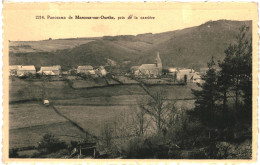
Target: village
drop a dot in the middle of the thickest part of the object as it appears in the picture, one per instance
(151, 74)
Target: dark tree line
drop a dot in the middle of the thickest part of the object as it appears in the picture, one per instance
(225, 101)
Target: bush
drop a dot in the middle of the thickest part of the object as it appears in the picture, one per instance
(139, 149)
(13, 153)
(50, 144)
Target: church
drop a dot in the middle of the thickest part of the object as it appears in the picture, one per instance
(149, 70)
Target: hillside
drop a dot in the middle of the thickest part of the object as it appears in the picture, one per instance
(46, 45)
(194, 46)
(190, 47)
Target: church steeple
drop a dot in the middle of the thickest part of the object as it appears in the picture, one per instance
(159, 63)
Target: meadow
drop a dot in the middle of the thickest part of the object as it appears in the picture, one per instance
(90, 108)
(45, 45)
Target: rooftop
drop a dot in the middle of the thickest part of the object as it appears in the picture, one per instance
(148, 66)
(50, 68)
(85, 67)
(28, 67)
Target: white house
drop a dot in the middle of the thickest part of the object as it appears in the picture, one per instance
(50, 70)
(196, 78)
(183, 74)
(100, 71)
(172, 71)
(85, 69)
(13, 69)
(25, 70)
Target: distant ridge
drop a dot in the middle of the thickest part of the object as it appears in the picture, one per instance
(189, 47)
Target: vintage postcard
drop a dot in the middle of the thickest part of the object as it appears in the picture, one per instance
(130, 82)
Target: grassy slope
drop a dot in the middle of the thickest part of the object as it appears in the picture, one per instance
(188, 47)
(46, 45)
(29, 122)
(194, 46)
(90, 108)
(93, 118)
(26, 90)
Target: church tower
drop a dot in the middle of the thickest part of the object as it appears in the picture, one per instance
(159, 63)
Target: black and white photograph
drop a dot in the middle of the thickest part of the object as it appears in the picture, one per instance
(144, 81)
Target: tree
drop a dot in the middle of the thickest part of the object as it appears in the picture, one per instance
(236, 70)
(50, 144)
(225, 78)
(162, 112)
(140, 120)
(158, 109)
(107, 133)
(207, 97)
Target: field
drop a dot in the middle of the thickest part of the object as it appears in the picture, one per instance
(89, 108)
(46, 45)
(28, 115)
(93, 118)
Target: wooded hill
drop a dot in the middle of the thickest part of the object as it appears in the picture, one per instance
(189, 47)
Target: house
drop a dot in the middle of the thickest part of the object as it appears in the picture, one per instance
(92, 72)
(84, 69)
(100, 71)
(25, 70)
(196, 78)
(172, 71)
(184, 74)
(46, 102)
(150, 70)
(65, 73)
(50, 70)
(13, 69)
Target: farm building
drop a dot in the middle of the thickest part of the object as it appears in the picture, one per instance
(87, 69)
(196, 78)
(50, 70)
(185, 74)
(101, 71)
(150, 70)
(171, 71)
(25, 70)
(65, 73)
(13, 69)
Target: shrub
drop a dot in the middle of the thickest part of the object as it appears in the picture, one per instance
(138, 148)
(50, 144)
(13, 153)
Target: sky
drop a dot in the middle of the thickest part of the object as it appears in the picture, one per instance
(20, 23)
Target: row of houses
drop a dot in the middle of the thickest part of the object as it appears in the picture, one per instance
(55, 70)
(156, 70)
